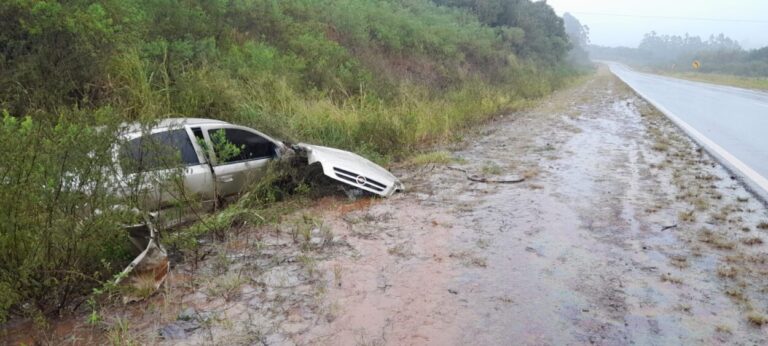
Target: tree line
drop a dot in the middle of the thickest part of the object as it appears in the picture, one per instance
(716, 54)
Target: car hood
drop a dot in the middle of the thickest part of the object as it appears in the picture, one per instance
(352, 169)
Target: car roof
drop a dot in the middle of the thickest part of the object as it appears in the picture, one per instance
(175, 122)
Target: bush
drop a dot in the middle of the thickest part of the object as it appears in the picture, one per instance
(59, 235)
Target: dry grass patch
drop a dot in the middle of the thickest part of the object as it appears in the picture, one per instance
(716, 240)
(751, 241)
(469, 259)
(227, 287)
(687, 216)
(707, 177)
(679, 261)
(401, 250)
(531, 172)
(721, 328)
(759, 83)
(729, 272)
(661, 144)
(701, 203)
(756, 318)
(492, 168)
(736, 294)
(686, 308)
(723, 214)
(671, 279)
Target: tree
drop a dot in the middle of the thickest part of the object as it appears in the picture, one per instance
(579, 38)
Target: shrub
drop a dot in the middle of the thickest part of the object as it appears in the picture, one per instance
(59, 235)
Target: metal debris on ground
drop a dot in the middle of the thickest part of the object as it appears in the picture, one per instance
(481, 179)
(147, 272)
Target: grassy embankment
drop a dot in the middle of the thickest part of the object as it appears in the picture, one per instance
(380, 77)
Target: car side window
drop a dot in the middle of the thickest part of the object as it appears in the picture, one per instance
(161, 150)
(251, 146)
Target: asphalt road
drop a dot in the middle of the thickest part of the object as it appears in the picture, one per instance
(731, 123)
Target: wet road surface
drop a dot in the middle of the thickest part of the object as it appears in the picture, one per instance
(733, 118)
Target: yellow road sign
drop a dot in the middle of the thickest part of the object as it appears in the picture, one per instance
(696, 64)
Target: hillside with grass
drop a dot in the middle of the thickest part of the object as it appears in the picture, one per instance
(326, 71)
(379, 77)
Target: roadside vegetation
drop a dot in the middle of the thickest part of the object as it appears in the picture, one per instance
(758, 83)
(379, 77)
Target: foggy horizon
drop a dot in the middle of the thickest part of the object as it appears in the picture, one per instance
(623, 23)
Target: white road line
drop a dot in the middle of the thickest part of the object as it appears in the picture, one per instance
(754, 181)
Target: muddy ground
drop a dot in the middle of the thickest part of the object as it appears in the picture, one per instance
(623, 232)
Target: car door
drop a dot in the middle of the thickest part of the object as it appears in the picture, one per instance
(234, 170)
(150, 162)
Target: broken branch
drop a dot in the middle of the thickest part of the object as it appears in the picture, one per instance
(668, 227)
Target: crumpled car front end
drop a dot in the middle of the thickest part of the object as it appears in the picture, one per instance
(351, 169)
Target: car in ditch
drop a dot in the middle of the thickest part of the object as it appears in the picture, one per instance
(209, 172)
(211, 160)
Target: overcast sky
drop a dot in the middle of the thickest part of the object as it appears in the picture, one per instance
(623, 22)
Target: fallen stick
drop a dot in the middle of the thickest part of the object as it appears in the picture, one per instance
(479, 179)
(668, 227)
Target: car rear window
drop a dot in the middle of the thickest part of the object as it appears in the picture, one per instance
(161, 150)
